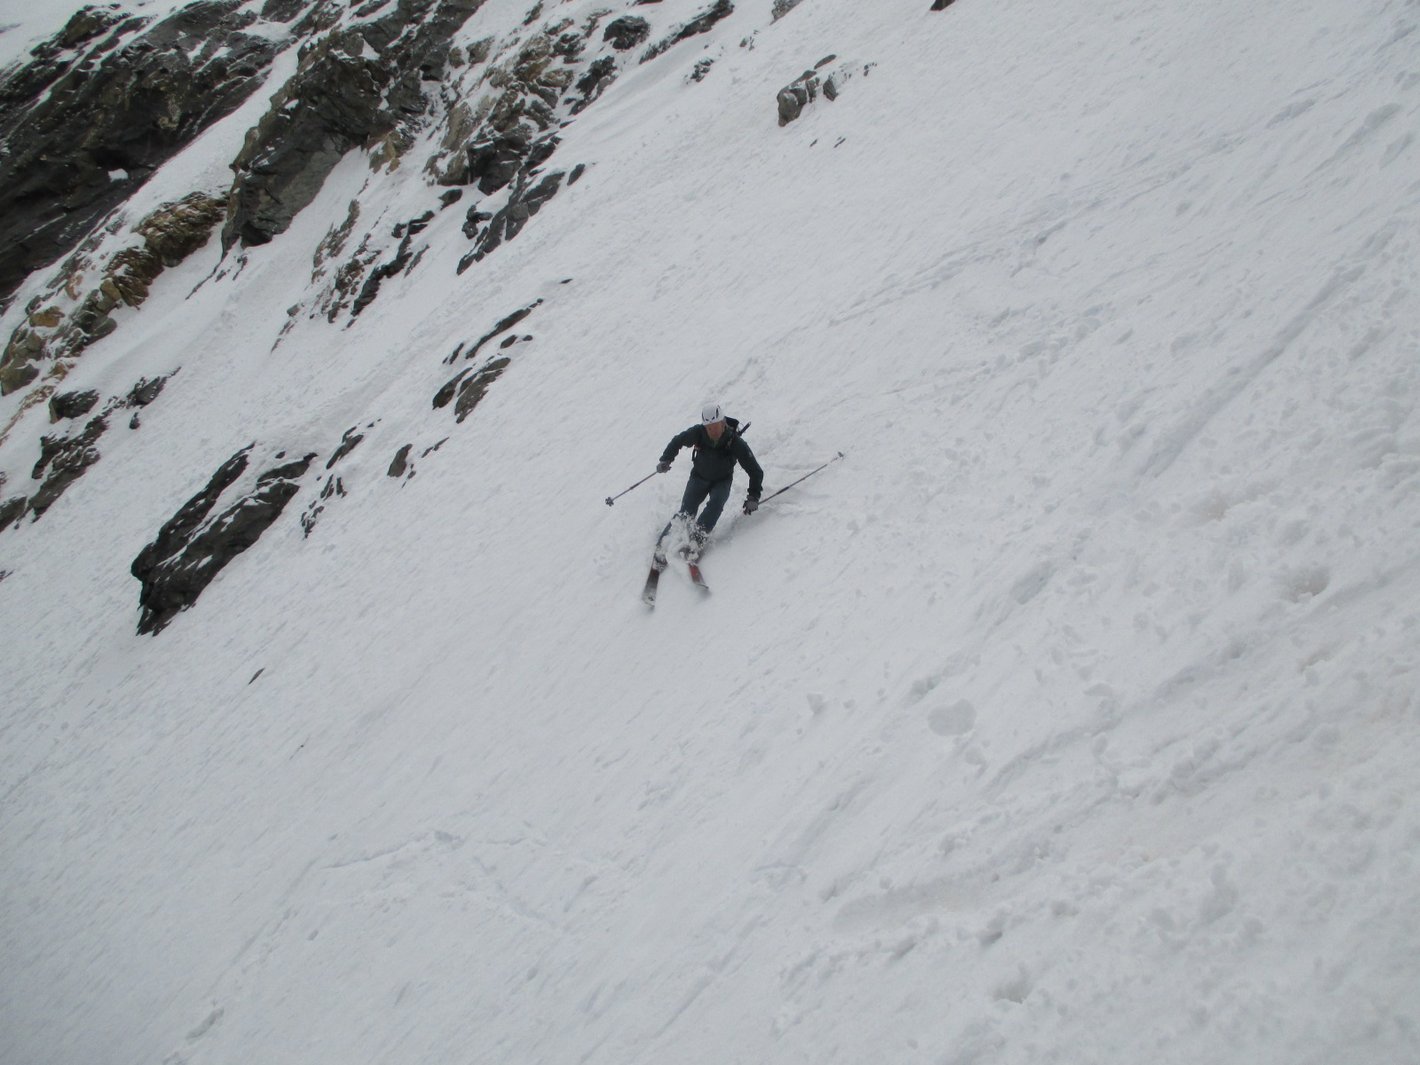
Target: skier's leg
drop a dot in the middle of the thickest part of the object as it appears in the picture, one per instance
(719, 492)
(695, 491)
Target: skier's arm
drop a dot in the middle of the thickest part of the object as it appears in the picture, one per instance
(751, 467)
(680, 440)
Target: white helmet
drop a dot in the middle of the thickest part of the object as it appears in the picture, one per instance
(710, 413)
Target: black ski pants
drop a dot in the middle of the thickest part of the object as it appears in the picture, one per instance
(697, 490)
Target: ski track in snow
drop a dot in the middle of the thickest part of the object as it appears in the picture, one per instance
(1070, 718)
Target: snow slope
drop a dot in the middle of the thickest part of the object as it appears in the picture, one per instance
(1070, 718)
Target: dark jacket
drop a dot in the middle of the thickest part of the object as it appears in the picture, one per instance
(716, 461)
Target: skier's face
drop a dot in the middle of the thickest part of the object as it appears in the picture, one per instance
(715, 428)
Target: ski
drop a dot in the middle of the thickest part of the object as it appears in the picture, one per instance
(696, 577)
(653, 580)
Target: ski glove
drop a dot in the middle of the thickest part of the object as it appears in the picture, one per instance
(663, 467)
(751, 505)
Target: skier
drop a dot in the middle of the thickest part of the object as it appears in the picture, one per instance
(717, 447)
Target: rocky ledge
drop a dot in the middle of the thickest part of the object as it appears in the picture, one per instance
(102, 105)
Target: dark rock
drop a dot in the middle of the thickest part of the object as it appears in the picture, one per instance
(282, 10)
(176, 230)
(472, 391)
(348, 443)
(804, 89)
(445, 395)
(782, 8)
(509, 222)
(71, 404)
(86, 24)
(793, 98)
(16, 365)
(92, 318)
(130, 274)
(83, 112)
(145, 391)
(22, 86)
(600, 74)
(12, 510)
(333, 243)
(468, 386)
(352, 88)
(170, 234)
(504, 325)
(627, 32)
(334, 103)
(334, 487)
(401, 461)
(702, 23)
(347, 283)
(570, 47)
(371, 288)
(193, 547)
(941, 5)
(493, 162)
(450, 198)
(473, 220)
(66, 459)
(540, 152)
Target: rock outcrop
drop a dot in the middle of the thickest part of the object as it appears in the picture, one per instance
(67, 318)
(809, 85)
(334, 486)
(63, 461)
(627, 32)
(355, 86)
(194, 546)
(105, 103)
(467, 388)
(64, 458)
(702, 23)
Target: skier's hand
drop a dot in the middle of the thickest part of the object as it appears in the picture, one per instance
(751, 505)
(662, 467)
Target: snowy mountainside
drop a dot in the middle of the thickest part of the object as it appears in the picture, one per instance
(1069, 718)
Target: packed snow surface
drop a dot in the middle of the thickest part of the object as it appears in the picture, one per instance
(1072, 717)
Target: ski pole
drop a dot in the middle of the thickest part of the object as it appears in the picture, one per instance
(805, 477)
(612, 499)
